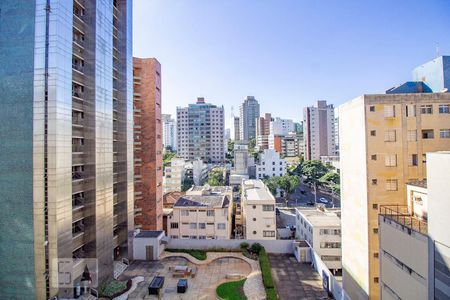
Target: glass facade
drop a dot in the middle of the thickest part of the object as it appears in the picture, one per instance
(17, 30)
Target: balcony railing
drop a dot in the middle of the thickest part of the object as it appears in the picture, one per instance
(400, 215)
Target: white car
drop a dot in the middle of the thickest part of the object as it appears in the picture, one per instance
(323, 200)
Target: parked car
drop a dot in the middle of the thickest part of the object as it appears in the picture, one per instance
(323, 200)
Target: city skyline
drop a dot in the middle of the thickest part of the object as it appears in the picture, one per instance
(247, 53)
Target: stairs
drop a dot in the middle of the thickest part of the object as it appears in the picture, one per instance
(119, 268)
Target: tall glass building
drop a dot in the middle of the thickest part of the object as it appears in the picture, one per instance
(66, 132)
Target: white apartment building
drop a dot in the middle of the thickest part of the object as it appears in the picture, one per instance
(281, 126)
(169, 132)
(319, 131)
(203, 213)
(322, 230)
(201, 132)
(270, 164)
(174, 175)
(258, 211)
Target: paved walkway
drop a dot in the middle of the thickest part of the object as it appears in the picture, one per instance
(253, 286)
(295, 280)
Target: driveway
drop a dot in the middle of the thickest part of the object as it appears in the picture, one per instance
(295, 280)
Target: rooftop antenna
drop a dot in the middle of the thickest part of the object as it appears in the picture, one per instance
(437, 50)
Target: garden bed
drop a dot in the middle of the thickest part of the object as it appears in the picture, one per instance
(231, 290)
(198, 254)
(114, 288)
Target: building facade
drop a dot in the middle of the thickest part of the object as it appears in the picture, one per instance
(394, 131)
(322, 230)
(169, 132)
(204, 212)
(235, 134)
(67, 142)
(174, 174)
(248, 113)
(201, 132)
(240, 170)
(281, 127)
(258, 211)
(148, 144)
(270, 165)
(291, 145)
(263, 131)
(319, 132)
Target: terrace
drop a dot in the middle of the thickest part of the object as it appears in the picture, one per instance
(401, 215)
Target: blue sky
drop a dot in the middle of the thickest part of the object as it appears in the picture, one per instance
(288, 53)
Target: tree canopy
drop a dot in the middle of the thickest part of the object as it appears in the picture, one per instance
(215, 177)
(313, 170)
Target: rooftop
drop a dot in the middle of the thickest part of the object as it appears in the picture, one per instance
(321, 218)
(419, 183)
(401, 215)
(256, 190)
(149, 233)
(210, 189)
(217, 201)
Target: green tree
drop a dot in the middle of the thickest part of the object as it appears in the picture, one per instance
(215, 177)
(288, 183)
(167, 157)
(313, 170)
(187, 184)
(330, 178)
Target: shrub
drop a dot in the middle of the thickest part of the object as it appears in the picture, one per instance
(256, 248)
(271, 294)
(231, 290)
(265, 269)
(113, 288)
(198, 254)
(244, 245)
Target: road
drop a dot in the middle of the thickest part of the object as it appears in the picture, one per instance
(299, 199)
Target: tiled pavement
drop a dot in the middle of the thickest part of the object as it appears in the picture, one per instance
(294, 280)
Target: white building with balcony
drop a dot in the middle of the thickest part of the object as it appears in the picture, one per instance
(322, 230)
(270, 164)
(258, 211)
(203, 213)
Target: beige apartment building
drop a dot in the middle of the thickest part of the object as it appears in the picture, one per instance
(258, 211)
(204, 212)
(383, 141)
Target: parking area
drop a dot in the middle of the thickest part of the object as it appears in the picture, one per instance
(295, 280)
(202, 286)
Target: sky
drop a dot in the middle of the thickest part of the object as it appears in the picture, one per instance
(286, 53)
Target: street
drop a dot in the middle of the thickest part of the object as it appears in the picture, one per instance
(299, 199)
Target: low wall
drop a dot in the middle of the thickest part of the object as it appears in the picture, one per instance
(271, 246)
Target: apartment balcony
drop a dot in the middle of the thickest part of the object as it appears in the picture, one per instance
(77, 158)
(77, 121)
(115, 199)
(115, 12)
(77, 131)
(115, 115)
(115, 53)
(116, 241)
(77, 104)
(78, 23)
(78, 213)
(78, 149)
(115, 93)
(78, 73)
(115, 178)
(400, 215)
(119, 218)
(115, 136)
(78, 240)
(115, 32)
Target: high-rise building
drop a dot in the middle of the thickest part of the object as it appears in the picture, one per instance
(414, 242)
(200, 132)
(234, 129)
(383, 141)
(148, 144)
(169, 132)
(248, 113)
(319, 132)
(67, 142)
(263, 131)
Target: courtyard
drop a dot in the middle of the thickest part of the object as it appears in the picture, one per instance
(209, 275)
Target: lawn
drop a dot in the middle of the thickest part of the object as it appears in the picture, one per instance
(112, 288)
(232, 290)
(198, 254)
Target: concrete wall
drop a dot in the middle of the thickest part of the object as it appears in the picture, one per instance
(274, 246)
(139, 244)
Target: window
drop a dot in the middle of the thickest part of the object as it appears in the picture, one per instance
(254, 206)
(428, 134)
(201, 225)
(185, 213)
(410, 110)
(193, 237)
(389, 136)
(202, 237)
(193, 225)
(268, 233)
(375, 206)
(330, 245)
(374, 181)
(373, 133)
(324, 231)
(389, 111)
(254, 219)
(373, 157)
(174, 236)
(268, 207)
(391, 185)
(444, 108)
(174, 225)
(390, 160)
(254, 232)
(221, 226)
(413, 160)
(210, 213)
(426, 109)
(376, 279)
(372, 108)
(375, 255)
(412, 135)
(375, 230)
(444, 133)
